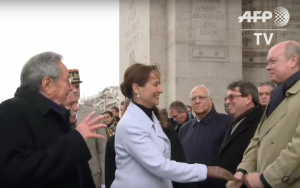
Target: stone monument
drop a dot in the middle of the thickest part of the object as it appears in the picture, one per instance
(200, 42)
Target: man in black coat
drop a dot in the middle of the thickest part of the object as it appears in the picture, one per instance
(243, 104)
(38, 147)
(202, 136)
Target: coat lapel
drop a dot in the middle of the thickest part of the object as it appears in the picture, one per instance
(275, 116)
(230, 137)
(146, 121)
(158, 129)
(245, 122)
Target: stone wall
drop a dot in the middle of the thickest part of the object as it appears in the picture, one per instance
(199, 42)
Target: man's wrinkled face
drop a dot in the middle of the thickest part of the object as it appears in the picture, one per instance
(179, 117)
(58, 90)
(71, 104)
(201, 101)
(76, 90)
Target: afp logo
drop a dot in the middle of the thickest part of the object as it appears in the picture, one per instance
(282, 16)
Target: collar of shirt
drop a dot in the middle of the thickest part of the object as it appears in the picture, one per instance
(206, 119)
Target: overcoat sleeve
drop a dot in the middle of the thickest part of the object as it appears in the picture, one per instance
(21, 165)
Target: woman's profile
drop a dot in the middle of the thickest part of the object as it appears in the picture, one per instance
(142, 148)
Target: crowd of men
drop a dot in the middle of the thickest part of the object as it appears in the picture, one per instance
(48, 140)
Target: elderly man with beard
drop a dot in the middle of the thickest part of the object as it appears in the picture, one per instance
(38, 147)
(202, 136)
(71, 104)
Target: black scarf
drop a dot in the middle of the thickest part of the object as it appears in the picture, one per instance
(278, 94)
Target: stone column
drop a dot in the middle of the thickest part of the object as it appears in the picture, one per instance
(203, 47)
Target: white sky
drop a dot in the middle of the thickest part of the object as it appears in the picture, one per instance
(86, 33)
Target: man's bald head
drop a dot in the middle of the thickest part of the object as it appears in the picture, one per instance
(283, 61)
(200, 88)
(201, 100)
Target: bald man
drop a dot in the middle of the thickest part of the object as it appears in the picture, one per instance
(202, 136)
(272, 158)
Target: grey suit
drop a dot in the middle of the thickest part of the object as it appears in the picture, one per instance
(143, 154)
(96, 146)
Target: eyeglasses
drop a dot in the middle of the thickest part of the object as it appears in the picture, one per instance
(231, 97)
(200, 97)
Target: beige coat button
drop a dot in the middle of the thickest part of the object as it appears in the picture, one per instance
(285, 179)
(272, 141)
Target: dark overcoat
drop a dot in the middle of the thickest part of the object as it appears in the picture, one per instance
(38, 147)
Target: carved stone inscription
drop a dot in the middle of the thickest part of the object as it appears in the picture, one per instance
(293, 27)
(210, 20)
(133, 27)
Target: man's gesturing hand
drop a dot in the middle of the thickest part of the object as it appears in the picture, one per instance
(87, 127)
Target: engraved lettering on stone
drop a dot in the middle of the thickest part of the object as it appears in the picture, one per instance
(131, 3)
(210, 18)
(133, 28)
(131, 16)
(133, 42)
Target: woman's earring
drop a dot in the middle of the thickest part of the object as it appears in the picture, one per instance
(138, 96)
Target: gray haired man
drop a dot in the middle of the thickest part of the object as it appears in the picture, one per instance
(38, 147)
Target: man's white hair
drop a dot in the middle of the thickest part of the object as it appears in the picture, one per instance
(202, 86)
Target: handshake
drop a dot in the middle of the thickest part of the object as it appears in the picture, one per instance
(237, 182)
(251, 180)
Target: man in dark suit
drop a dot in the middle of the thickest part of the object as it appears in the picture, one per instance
(202, 136)
(38, 147)
(243, 104)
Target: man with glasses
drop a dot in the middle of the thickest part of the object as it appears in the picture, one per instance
(202, 136)
(273, 155)
(243, 104)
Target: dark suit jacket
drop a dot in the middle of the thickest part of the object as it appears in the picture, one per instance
(38, 147)
(234, 145)
(177, 154)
